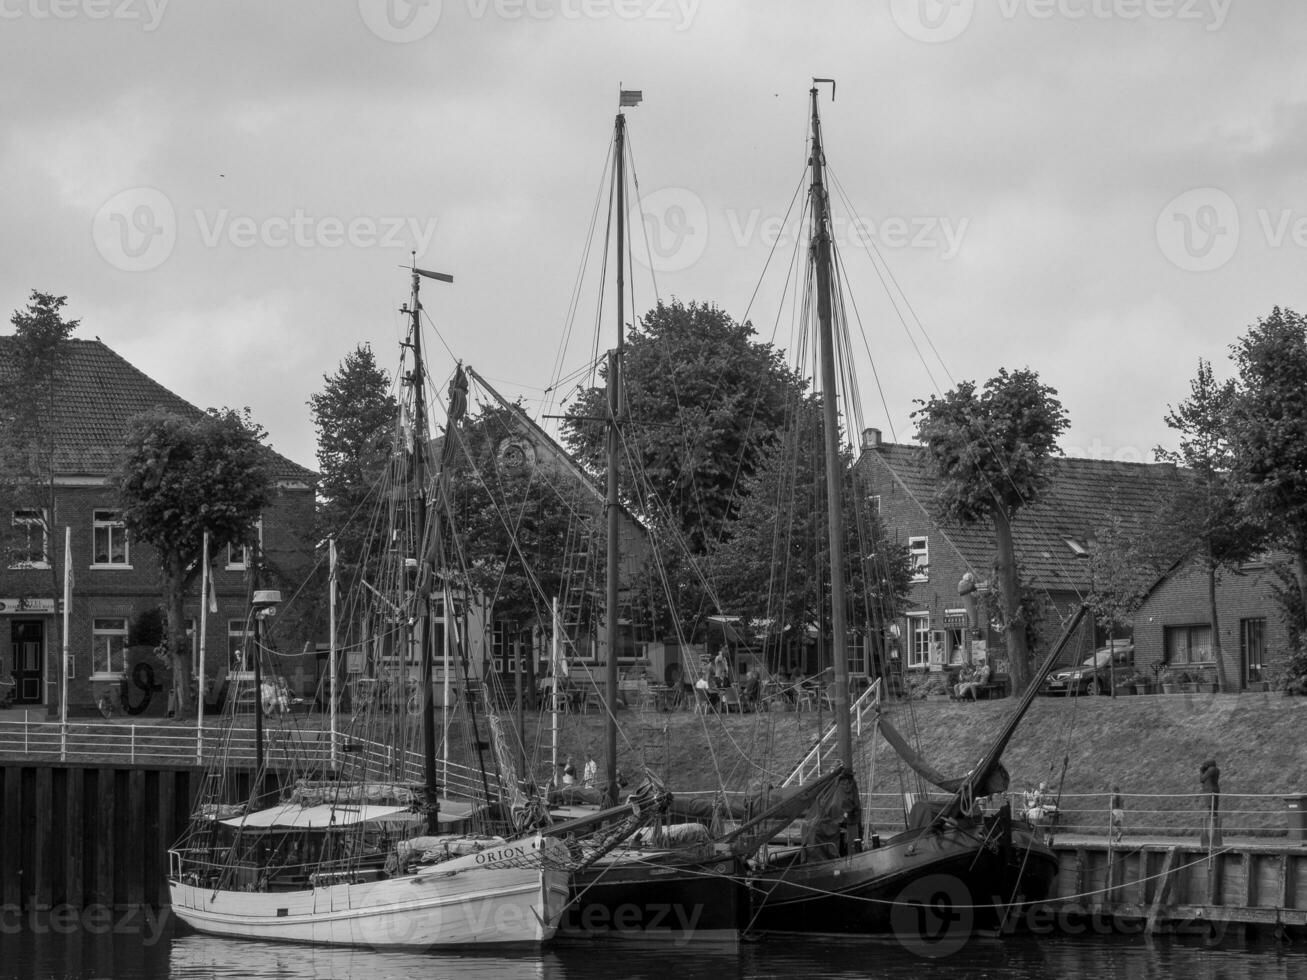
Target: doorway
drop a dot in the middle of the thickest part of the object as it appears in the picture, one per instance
(28, 646)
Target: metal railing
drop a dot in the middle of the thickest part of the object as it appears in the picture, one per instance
(115, 743)
(811, 764)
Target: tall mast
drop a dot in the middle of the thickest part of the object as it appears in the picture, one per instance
(424, 583)
(821, 256)
(614, 403)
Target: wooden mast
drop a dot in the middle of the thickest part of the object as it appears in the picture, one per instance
(612, 506)
(821, 257)
(425, 579)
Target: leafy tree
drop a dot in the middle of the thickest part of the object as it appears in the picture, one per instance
(989, 451)
(1205, 518)
(182, 477)
(354, 415)
(703, 400)
(29, 412)
(774, 562)
(1268, 431)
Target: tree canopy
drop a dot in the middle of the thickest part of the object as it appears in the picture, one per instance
(989, 451)
(1268, 431)
(702, 403)
(179, 479)
(1206, 518)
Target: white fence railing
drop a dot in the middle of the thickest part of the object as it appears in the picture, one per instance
(811, 764)
(185, 745)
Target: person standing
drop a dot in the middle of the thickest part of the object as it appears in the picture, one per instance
(721, 669)
(1117, 806)
(590, 772)
(1209, 776)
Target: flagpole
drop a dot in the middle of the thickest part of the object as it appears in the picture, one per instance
(63, 673)
(331, 602)
(204, 630)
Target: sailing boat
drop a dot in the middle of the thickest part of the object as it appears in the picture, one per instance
(677, 884)
(951, 861)
(368, 853)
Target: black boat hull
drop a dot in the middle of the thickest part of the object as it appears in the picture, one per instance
(681, 902)
(918, 885)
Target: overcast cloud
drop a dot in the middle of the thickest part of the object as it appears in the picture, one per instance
(1101, 190)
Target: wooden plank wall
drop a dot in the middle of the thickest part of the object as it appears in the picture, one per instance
(80, 836)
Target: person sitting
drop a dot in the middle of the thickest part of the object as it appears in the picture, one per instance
(750, 689)
(972, 683)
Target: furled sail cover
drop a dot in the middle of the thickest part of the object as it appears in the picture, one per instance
(994, 781)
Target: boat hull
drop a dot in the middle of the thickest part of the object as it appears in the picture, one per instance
(675, 901)
(916, 884)
(462, 908)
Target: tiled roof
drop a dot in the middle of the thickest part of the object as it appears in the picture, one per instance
(1083, 496)
(98, 393)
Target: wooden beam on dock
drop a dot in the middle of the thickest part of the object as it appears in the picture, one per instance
(1163, 890)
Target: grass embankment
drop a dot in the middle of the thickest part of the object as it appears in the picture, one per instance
(1152, 746)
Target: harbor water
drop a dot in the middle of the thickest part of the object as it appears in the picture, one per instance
(147, 949)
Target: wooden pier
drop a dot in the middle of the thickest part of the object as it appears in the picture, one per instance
(1161, 885)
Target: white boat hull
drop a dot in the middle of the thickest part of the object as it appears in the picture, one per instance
(437, 907)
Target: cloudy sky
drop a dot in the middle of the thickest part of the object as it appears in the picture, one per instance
(1102, 190)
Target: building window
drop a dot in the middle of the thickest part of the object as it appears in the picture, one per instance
(109, 646)
(874, 501)
(501, 645)
(28, 544)
(918, 640)
(239, 556)
(238, 640)
(955, 636)
(109, 539)
(439, 621)
(919, 556)
(857, 651)
(1252, 647)
(1188, 644)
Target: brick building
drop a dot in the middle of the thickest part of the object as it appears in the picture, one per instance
(1052, 540)
(116, 579)
(1173, 627)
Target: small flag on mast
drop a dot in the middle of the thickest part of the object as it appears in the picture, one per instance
(630, 97)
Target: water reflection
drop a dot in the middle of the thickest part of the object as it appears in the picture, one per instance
(195, 957)
(82, 955)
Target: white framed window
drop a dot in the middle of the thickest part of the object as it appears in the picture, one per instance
(857, 650)
(109, 540)
(918, 639)
(955, 635)
(919, 556)
(239, 556)
(108, 645)
(29, 542)
(873, 500)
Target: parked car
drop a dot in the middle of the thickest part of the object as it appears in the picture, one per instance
(1094, 676)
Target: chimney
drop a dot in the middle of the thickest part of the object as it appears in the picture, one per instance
(870, 439)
